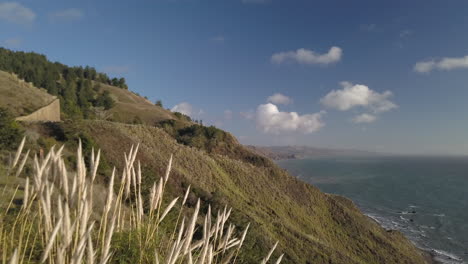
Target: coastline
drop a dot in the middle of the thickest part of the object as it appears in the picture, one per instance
(428, 255)
(430, 246)
(431, 255)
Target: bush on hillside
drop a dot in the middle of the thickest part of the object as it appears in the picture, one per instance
(200, 136)
(183, 117)
(159, 103)
(196, 135)
(10, 131)
(105, 100)
(210, 139)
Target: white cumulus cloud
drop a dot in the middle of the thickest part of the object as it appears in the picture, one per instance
(184, 108)
(271, 120)
(305, 56)
(353, 95)
(14, 12)
(364, 118)
(66, 15)
(425, 66)
(278, 98)
(445, 64)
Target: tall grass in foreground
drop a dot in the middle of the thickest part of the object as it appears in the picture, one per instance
(57, 220)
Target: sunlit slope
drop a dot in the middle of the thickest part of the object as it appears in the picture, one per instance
(132, 108)
(19, 97)
(312, 227)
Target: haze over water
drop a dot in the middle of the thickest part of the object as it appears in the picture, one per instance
(424, 197)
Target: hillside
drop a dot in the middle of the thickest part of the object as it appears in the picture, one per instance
(19, 97)
(130, 108)
(312, 227)
(22, 98)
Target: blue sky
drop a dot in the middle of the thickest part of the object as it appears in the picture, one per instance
(376, 75)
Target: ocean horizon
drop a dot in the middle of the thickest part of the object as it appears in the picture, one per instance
(424, 197)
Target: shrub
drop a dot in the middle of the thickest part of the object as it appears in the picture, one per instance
(105, 100)
(183, 117)
(10, 131)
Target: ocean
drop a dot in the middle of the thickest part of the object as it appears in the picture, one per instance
(426, 198)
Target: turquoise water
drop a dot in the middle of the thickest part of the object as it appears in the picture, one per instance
(424, 197)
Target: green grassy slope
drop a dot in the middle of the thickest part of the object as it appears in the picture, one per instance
(130, 106)
(312, 227)
(19, 97)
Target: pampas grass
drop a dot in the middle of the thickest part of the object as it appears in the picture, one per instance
(55, 223)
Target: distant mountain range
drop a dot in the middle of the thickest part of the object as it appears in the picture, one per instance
(301, 152)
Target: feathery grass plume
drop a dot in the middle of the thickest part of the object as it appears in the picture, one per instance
(168, 171)
(26, 194)
(221, 223)
(191, 228)
(206, 237)
(51, 241)
(18, 153)
(23, 162)
(153, 197)
(265, 260)
(190, 259)
(159, 192)
(186, 195)
(156, 258)
(244, 234)
(94, 166)
(110, 193)
(168, 209)
(210, 254)
(278, 261)
(241, 242)
(14, 258)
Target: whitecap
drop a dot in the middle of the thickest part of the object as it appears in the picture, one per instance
(404, 219)
(446, 257)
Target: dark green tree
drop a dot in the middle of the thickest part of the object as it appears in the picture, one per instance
(115, 82)
(122, 83)
(105, 100)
